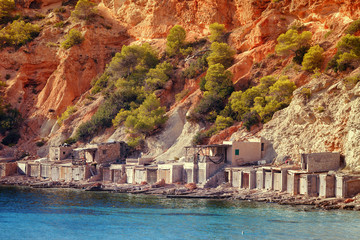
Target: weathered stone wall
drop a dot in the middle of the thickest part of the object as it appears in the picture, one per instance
(8, 169)
(320, 162)
(108, 152)
(60, 153)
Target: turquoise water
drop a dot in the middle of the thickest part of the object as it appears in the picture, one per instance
(74, 214)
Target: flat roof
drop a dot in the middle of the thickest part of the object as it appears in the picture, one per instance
(85, 148)
(211, 145)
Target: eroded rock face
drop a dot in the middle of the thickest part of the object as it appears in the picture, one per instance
(45, 80)
(326, 122)
(76, 69)
(177, 133)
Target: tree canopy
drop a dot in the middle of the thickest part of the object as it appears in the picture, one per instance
(6, 7)
(348, 53)
(218, 80)
(217, 32)
(84, 10)
(74, 37)
(18, 33)
(175, 40)
(313, 58)
(221, 53)
(265, 99)
(291, 41)
(133, 60)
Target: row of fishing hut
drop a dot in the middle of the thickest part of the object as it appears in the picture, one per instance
(316, 177)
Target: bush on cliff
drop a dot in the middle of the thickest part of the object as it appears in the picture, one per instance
(175, 40)
(218, 80)
(158, 76)
(353, 27)
(218, 87)
(347, 55)
(269, 96)
(221, 53)
(313, 58)
(102, 118)
(127, 85)
(291, 41)
(84, 10)
(6, 7)
(18, 33)
(74, 37)
(65, 115)
(146, 119)
(217, 32)
(133, 62)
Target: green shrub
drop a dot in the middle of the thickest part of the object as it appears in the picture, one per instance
(147, 118)
(84, 10)
(222, 123)
(218, 80)
(10, 118)
(135, 142)
(100, 83)
(265, 99)
(186, 51)
(158, 76)
(85, 131)
(18, 33)
(217, 86)
(353, 27)
(217, 32)
(65, 115)
(209, 102)
(60, 24)
(291, 41)
(202, 84)
(123, 85)
(198, 139)
(74, 37)
(306, 93)
(282, 90)
(133, 62)
(6, 7)
(313, 58)
(221, 53)
(350, 82)
(103, 117)
(347, 55)
(201, 136)
(320, 109)
(175, 40)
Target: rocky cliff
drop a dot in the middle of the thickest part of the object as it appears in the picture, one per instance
(45, 79)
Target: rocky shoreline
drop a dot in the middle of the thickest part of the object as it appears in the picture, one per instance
(191, 191)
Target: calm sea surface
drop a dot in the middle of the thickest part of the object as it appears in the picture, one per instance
(74, 214)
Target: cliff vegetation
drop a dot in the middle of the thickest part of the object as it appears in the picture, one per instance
(160, 76)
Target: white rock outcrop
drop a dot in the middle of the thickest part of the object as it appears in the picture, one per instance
(327, 121)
